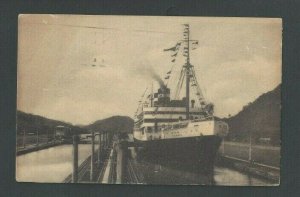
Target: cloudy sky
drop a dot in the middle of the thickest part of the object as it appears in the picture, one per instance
(237, 60)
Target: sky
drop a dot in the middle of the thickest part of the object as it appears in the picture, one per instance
(236, 61)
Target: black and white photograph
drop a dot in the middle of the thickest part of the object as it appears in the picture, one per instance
(152, 100)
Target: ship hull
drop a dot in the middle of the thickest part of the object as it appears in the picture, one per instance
(194, 154)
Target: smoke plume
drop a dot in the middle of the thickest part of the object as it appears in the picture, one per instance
(148, 71)
(156, 77)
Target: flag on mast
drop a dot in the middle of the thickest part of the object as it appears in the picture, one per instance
(170, 49)
(174, 55)
(176, 47)
(195, 44)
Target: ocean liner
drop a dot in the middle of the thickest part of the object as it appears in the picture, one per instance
(181, 130)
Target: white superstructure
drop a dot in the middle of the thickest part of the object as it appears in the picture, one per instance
(159, 117)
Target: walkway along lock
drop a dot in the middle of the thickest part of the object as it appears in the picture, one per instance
(115, 169)
(121, 149)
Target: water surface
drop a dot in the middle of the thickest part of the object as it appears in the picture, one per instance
(49, 165)
(231, 177)
(163, 173)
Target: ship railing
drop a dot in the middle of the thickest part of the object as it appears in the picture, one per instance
(202, 119)
(175, 126)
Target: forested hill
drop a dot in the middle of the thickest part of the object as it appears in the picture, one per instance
(118, 124)
(33, 123)
(261, 118)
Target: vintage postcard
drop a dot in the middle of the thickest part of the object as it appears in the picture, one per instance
(149, 100)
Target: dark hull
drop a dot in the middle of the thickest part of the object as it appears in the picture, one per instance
(193, 154)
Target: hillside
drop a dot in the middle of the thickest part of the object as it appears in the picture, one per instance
(32, 123)
(117, 124)
(261, 118)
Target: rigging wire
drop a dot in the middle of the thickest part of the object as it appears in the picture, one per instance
(178, 88)
(141, 101)
(180, 84)
(201, 96)
(184, 75)
(101, 28)
(171, 70)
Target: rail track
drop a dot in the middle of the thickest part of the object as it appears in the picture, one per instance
(82, 171)
(85, 167)
(133, 174)
(104, 166)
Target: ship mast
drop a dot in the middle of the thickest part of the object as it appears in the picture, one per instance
(187, 70)
(188, 73)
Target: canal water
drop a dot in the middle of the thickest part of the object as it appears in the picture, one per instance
(230, 177)
(55, 164)
(49, 165)
(163, 173)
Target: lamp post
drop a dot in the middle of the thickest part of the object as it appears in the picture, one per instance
(54, 136)
(105, 139)
(93, 135)
(92, 156)
(37, 137)
(47, 136)
(250, 147)
(223, 145)
(75, 159)
(250, 135)
(24, 138)
(99, 148)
